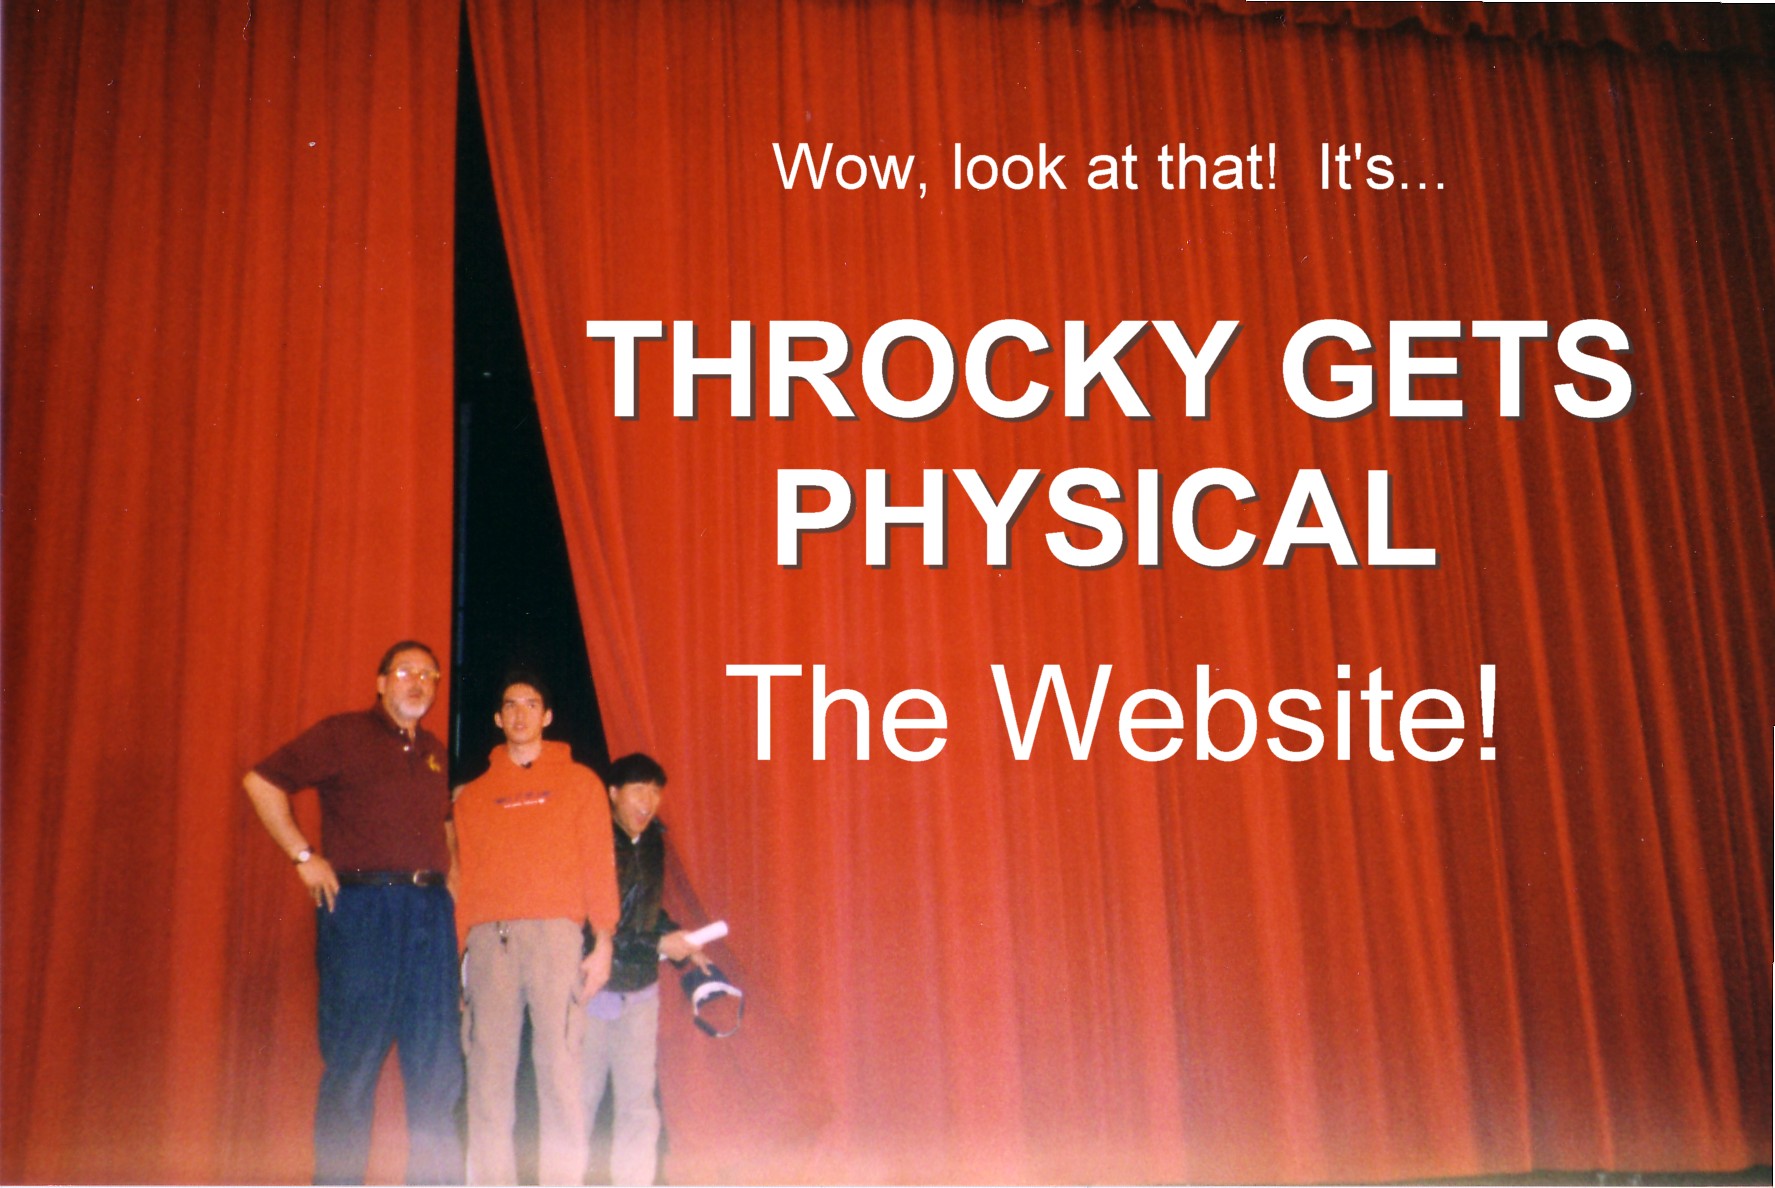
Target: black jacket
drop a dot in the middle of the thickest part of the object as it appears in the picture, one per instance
(640, 880)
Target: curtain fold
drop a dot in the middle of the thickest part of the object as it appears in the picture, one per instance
(227, 489)
(1685, 28)
(979, 968)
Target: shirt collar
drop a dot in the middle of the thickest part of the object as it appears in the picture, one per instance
(381, 714)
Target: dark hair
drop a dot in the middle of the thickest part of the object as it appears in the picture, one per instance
(525, 676)
(635, 769)
(405, 645)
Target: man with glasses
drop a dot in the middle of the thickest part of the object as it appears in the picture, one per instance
(385, 940)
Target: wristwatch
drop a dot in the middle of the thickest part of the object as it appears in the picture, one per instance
(303, 856)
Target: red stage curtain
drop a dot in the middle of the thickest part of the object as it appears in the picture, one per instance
(228, 418)
(1688, 28)
(1103, 970)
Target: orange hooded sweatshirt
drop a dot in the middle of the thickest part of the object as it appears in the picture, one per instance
(535, 844)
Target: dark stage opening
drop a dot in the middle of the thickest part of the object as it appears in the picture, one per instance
(513, 587)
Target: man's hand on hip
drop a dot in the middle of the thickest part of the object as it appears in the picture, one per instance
(320, 879)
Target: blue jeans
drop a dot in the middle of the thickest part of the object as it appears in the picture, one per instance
(387, 960)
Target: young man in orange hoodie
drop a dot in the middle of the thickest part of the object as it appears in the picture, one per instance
(535, 865)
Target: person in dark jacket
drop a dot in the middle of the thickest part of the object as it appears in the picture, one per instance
(622, 1027)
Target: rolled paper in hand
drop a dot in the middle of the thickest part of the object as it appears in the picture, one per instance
(707, 933)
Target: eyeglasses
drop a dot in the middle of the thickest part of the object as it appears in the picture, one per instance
(425, 676)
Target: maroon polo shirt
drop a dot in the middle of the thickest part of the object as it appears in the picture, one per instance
(383, 797)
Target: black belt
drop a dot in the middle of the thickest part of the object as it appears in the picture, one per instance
(390, 878)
